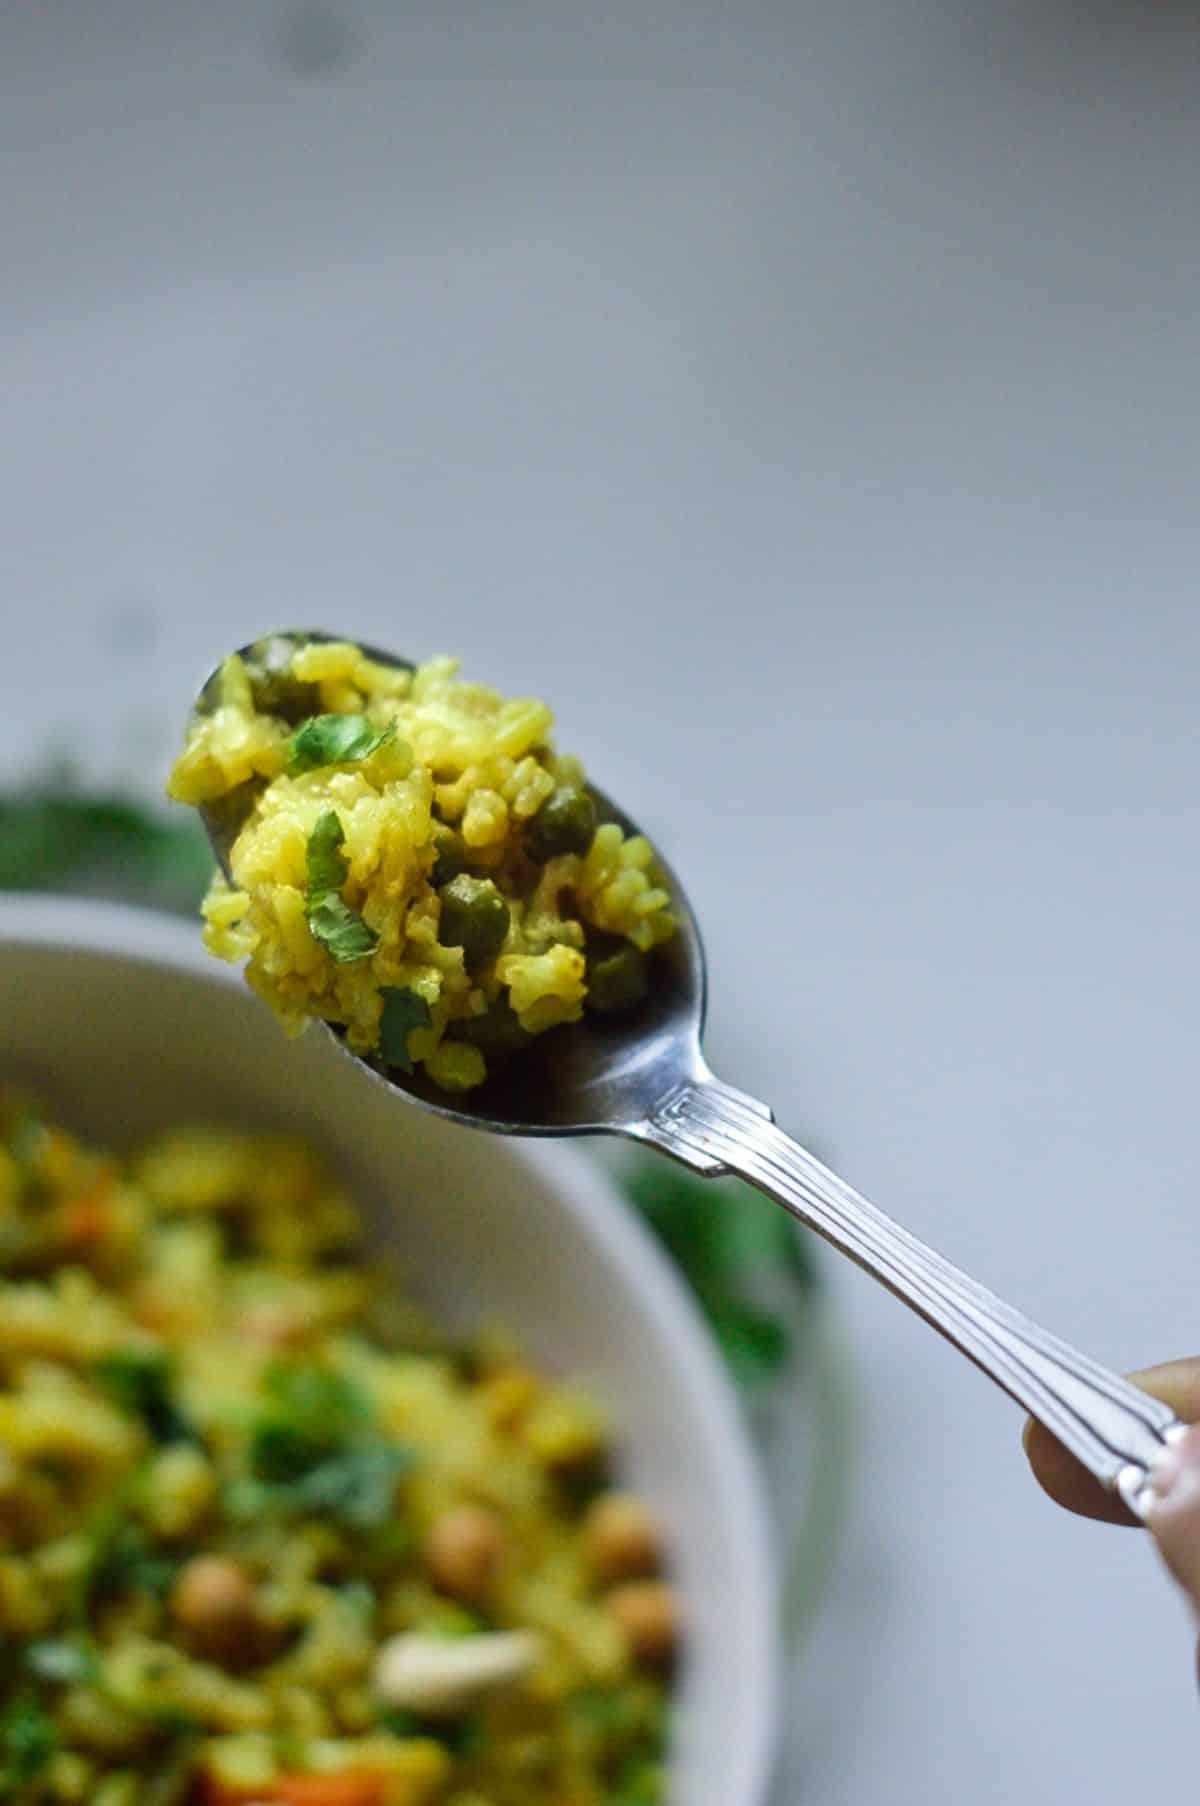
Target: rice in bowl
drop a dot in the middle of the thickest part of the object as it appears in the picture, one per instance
(264, 1535)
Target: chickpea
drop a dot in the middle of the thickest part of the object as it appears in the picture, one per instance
(214, 1606)
(463, 1550)
(621, 1538)
(648, 1614)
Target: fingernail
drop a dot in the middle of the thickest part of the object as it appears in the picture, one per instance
(1175, 1477)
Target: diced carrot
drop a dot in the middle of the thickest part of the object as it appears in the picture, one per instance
(349, 1787)
(86, 1221)
(353, 1787)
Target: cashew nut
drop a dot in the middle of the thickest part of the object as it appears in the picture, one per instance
(441, 1677)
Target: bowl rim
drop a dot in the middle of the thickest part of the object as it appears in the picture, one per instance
(151, 937)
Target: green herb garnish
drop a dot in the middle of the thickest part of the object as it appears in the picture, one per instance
(324, 1404)
(124, 1560)
(61, 1662)
(738, 1251)
(140, 1382)
(639, 1783)
(325, 868)
(340, 929)
(28, 1739)
(357, 1487)
(403, 1010)
(610, 1715)
(335, 740)
(314, 1452)
(464, 1740)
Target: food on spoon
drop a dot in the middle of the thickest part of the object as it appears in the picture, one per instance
(342, 1568)
(416, 864)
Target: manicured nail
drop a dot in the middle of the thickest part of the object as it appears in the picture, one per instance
(1175, 1477)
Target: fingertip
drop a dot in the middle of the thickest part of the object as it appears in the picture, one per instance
(1173, 1510)
(1066, 1481)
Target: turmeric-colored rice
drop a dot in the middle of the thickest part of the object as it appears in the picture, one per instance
(239, 1477)
(470, 901)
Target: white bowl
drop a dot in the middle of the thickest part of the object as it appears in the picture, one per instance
(128, 1023)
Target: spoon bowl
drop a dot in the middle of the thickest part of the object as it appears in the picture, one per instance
(642, 1075)
(602, 1075)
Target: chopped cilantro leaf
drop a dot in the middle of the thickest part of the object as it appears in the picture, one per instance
(613, 1715)
(334, 740)
(313, 1452)
(140, 1382)
(357, 1486)
(326, 869)
(125, 1561)
(465, 1740)
(639, 1783)
(281, 1453)
(28, 1739)
(403, 1010)
(318, 1399)
(61, 1662)
(340, 929)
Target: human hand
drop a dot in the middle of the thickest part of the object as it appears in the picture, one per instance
(1174, 1519)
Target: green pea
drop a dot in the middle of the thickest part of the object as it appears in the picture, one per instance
(451, 858)
(474, 917)
(497, 1031)
(565, 823)
(616, 979)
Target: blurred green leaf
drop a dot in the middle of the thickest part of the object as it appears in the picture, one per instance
(63, 839)
(28, 1739)
(755, 1344)
(749, 1265)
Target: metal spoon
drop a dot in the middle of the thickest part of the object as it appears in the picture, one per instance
(644, 1076)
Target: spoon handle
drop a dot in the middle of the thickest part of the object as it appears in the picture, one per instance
(1115, 1430)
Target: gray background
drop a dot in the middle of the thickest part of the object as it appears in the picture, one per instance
(806, 397)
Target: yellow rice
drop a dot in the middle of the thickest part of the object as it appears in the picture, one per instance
(462, 763)
(225, 1264)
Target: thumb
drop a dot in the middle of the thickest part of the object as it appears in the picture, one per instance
(1173, 1517)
